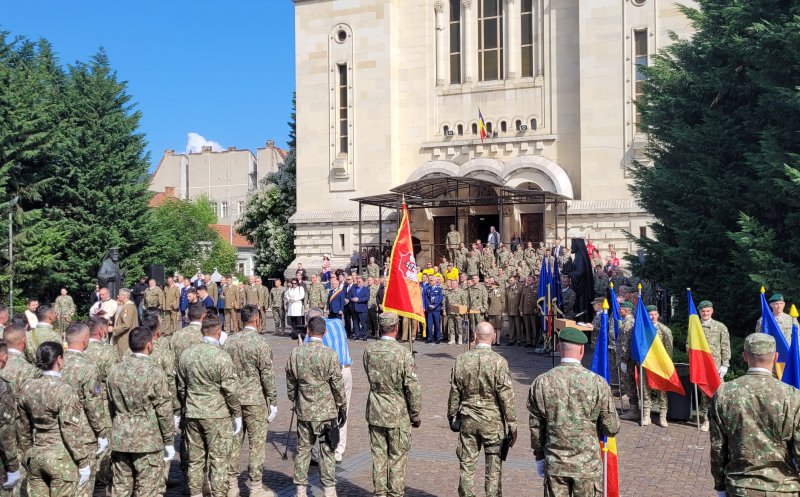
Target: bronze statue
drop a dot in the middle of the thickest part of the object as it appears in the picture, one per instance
(109, 276)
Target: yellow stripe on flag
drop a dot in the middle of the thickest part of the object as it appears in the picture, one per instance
(697, 339)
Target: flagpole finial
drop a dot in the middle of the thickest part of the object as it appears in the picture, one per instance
(640, 288)
(605, 304)
(763, 290)
(793, 312)
(688, 289)
(611, 284)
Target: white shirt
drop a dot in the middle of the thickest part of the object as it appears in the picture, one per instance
(54, 374)
(570, 360)
(294, 301)
(759, 370)
(110, 306)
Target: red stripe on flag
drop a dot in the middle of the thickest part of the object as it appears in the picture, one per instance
(703, 371)
(671, 384)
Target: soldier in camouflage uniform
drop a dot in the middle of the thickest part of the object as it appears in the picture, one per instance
(471, 264)
(754, 430)
(314, 386)
(393, 406)
(372, 307)
(142, 420)
(601, 282)
(316, 293)
(527, 308)
(278, 311)
(495, 306)
(627, 367)
(482, 397)
(43, 332)
(567, 298)
(785, 321)
(65, 310)
(373, 271)
(163, 357)
(618, 278)
(252, 360)
(208, 390)
(477, 296)
(569, 408)
(52, 430)
(10, 473)
(460, 259)
(153, 296)
(453, 242)
(454, 296)
(81, 374)
(661, 397)
(719, 341)
(503, 256)
(513, 296)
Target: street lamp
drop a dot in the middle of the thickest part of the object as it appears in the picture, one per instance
(11, 256)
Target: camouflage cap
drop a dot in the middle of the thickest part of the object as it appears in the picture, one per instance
(598, 301)
(776, 297)
(572, 335)
(759, 344)
(626, 305)
(389, 319)
(704, 304)
(651, 308)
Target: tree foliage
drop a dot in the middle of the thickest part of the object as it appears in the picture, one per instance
(265, 222)
(722, 112)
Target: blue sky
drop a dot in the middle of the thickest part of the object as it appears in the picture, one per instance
(224, 70)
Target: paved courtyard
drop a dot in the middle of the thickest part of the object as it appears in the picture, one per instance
(654, 462)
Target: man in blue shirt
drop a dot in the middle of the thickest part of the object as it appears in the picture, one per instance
(433, 305)
(336, 338)
(205, 298)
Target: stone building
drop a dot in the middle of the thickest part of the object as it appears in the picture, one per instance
(390, 91)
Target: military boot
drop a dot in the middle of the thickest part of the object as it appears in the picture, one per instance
(258, 490)
(301, 491)
(662, 420)
(329, 492)
(233, 487)
(633, 414)
(704, 426)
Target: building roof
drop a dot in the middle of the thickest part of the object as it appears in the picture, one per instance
(224, 232)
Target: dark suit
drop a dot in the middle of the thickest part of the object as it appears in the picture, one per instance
(347, 314)
(360, 310)
(336, 302)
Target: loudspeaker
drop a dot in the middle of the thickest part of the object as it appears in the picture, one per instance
(156, 271)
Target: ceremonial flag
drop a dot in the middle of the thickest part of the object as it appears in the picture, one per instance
(614, 310)
(556, 293)
(403, 294)
(648, 351)
(608, 445)
(702, 369)
(770, 326)
(481, 125)
(543, 293)
(791, 371)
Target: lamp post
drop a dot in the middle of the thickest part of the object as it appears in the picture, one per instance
(11, 256)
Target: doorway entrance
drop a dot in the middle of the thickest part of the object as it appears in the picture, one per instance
(532, 228)
(478, 227)
(441, 226)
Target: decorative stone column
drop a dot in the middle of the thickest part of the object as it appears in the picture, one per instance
(441, 44)
(469, 49)
(512, 39)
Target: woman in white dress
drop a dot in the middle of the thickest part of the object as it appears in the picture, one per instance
(294, 296)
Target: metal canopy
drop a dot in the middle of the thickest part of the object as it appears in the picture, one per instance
(452, 191)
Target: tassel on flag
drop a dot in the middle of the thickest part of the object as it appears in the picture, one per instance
(608, 445)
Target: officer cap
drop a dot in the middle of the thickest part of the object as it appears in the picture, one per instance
(651, 308)
(626, 305)
(704, 304)
(776, 297)
(389, 319)
(598, 301)
(759, 344)
(572, 335)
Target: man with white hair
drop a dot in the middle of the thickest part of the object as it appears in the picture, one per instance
(125, 320)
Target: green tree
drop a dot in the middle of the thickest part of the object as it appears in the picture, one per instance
(722, 114)
(265, 222)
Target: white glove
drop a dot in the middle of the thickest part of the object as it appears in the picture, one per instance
(12, 480)
(85, 472)
(721, 493)
(177, 420)
(540, 468)
(722, 371)
(237, 425)
(623, 367)
(273, 411)
(169, 453)
(102, 445)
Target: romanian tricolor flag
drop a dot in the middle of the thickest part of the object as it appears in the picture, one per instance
(648, 351)
(702, 369)
(770, 326)
(481, 125)
(791, 371)
(608, 445)
(403, 294)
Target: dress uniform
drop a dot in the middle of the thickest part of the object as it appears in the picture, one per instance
(231, 296)
(433, 307)
(516, 329)
(495, 307)
(527, 307)
(172, 300)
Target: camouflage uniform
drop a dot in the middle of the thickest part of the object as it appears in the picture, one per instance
(785, 323)
(460, 262)
(455, 296)
(153, 297)
(394, 399)
(141, 413)
(453, 241)
(314, 386)
(482, 395)
(43, 332)
(568, 302)
(317, 295)
(372, 306)
(569, 407)
(628, 383)
(103, 356)
(477, 297)
(252, 360)
(65, 311)
(661, 397)
(9, 455)
(719, 341)
(503, 257)
(278, 311)
(600, 284)
(183, 339)
(209, 393)
(163, 358)
(471, 265)
(373, 270)
(51, 409)
(81, 374)
(755, 436)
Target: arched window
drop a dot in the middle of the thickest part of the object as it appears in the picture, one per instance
(445, 129)
(489, 127)
(460, 129)
(518, 125)
(503, 127)
(474, 128)
(533, 124)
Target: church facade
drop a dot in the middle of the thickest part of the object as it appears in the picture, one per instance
(393, 91)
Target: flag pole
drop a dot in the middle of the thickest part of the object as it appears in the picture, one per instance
(697, 405)
(605, 468)
(641, 376)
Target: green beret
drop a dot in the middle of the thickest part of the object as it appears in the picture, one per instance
(389, 319)
(704, 304)
(651, 308)
(776, 297)
(759, 344)
(626, 305)
(572, 335)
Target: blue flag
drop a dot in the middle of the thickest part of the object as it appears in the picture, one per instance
(791, 371)
(600, 359)
(555, 293)
(770, 327)
(615, 312)
(542, 293)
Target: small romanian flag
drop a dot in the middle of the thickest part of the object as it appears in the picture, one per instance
(481, 125)
(702, 369)
(648, 351)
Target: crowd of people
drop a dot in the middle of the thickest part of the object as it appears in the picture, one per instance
(102, 402)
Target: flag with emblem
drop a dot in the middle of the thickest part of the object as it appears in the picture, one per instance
(403, 294)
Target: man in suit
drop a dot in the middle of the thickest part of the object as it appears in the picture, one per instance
(335, 300)
(493, 240)
(349, 288)
(556, 250)
(359, 301)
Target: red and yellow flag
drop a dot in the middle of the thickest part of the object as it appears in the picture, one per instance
(403, 294)
(702, 370)
(611, 482)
